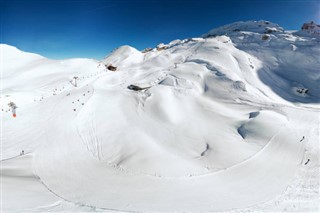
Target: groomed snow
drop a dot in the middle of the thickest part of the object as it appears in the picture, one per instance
(226, 122)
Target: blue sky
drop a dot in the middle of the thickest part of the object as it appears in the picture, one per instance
(60, 29)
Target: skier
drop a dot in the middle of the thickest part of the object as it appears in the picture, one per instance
(13, 107)
(22, 152)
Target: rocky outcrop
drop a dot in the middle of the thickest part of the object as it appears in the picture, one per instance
(111, 67)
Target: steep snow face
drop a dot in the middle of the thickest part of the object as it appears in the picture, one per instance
(202, 124)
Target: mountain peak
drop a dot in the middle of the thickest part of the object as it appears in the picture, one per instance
(311, 28)
(123, 53)
(246, 26)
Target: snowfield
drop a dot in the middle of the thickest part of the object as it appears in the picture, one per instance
(225, 122)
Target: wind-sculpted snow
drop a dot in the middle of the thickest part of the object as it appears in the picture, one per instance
(204, 124)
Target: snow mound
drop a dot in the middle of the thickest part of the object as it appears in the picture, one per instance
(124, 55)
(247, 26)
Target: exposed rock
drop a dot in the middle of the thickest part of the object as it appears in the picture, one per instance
(271, 30)
(162, 47)
(148, 49)
(311, 28)
(265, 37)
(111, 68)
(136, 88)
(302, 90)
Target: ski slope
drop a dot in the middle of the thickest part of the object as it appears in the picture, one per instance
(223, 122)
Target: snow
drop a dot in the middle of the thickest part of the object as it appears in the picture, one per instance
(225, 122)
(124, 56)
(247, 26)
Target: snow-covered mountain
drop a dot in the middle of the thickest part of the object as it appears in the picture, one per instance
(229, 120)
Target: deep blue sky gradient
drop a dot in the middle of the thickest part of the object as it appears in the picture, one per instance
(60, 29)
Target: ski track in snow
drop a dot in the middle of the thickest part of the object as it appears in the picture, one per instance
(262, 150)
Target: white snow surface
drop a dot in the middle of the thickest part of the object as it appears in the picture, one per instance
(227, 122)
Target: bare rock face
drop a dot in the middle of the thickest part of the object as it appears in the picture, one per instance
(311, 28)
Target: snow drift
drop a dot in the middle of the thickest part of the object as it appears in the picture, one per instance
(219, 122)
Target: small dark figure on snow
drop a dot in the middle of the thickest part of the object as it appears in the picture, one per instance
(302, 139)
(22, 152)
(307, 162)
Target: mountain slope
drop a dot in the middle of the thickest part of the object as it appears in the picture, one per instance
(290, 62)
(214, 123)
